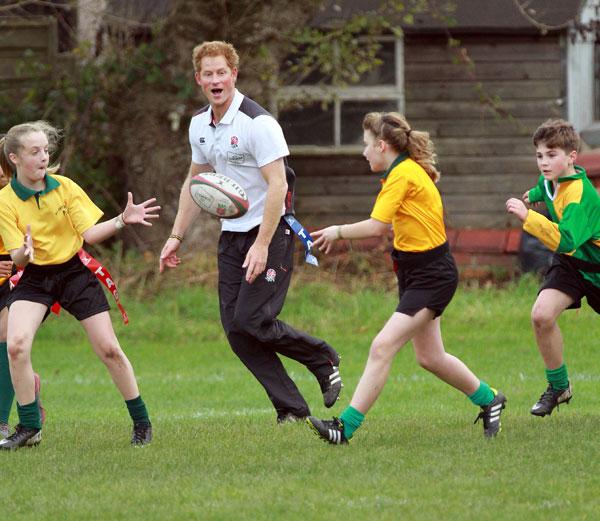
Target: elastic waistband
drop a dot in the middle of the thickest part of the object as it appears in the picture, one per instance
(53, 268)
(588, 267)
(411, 259)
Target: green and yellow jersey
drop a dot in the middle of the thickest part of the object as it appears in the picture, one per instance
(58, 216)
(411, 203)
(574, 207)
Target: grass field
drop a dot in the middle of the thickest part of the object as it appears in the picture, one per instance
(218, 454)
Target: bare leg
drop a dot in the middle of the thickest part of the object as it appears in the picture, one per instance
(544, 315)
(430, 353)
(24, 319)
(105, 344)
(398, 330)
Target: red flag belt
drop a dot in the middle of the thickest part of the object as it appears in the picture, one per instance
(100, 272)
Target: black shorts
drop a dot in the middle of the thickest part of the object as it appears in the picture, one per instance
(563, 276)
(425, 279)
(70, 284)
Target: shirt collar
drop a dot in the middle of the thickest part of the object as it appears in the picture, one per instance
(25, 193)
(396, 162)
(238, 97)
(579, 174)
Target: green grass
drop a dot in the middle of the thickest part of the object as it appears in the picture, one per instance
(218, 454)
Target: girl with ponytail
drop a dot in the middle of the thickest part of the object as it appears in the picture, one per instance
(410, 204)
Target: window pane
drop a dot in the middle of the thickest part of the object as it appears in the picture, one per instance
(311, 124)
(384, 74)
(353, 113)
(296, 71)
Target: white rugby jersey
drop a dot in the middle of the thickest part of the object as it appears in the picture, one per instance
(246, 139)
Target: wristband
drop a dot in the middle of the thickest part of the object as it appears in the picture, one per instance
(119, 222)
(339, 231)
(175, 236)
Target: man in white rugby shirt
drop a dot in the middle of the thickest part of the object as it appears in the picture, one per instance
(235, 136)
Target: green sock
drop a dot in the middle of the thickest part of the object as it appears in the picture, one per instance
(352, 419)
(29, 415)
(558, 378)
(7, 392)
(483, 395)
(137, 410)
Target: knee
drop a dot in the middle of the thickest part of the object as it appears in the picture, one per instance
(18, 347)
(428, 361)
(381, 351)
(109, 350)
(541, 318)
(242, 324)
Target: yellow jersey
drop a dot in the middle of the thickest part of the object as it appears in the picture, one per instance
(58, 216)
(411, 203)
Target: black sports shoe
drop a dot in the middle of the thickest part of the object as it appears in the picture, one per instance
(331, 431)
(142, 434)
(333, 387)
(22, 437)
(490, 414)
(550, 399)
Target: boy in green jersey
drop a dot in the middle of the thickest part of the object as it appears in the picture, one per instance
(573, 234)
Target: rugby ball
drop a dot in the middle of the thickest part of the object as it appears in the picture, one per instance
(219, 195)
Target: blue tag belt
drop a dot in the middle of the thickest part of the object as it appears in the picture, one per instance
(304, 236)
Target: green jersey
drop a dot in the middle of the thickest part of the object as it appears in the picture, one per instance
(574, 206)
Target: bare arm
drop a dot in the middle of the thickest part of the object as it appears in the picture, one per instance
(358, 230)
(132, 214)
(187, 212)
(256, 259)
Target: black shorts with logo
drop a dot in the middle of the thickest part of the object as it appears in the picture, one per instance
(564, 276)
(70, 284)
(425, 279)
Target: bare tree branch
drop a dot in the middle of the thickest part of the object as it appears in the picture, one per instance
(523, 8)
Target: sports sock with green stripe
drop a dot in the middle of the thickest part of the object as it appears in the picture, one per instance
(558, 378)
(352, 419)
(7, 392)
(483, 396)
(137, 410)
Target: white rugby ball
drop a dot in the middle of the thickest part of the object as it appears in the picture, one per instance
(219, 195)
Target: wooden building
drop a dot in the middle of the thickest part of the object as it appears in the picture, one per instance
(480, 99)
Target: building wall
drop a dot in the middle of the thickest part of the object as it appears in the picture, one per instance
(480, 107)
(24, 40)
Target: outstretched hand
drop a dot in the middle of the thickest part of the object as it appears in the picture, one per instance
(325, 238)
(138, 213)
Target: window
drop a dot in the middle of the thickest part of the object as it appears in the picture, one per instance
(315, 115)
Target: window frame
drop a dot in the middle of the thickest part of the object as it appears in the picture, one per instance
(338, 95)
(581, 84)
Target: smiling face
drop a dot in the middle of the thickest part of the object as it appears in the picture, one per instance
(32, 159)
(217, 81)
(555, 162)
